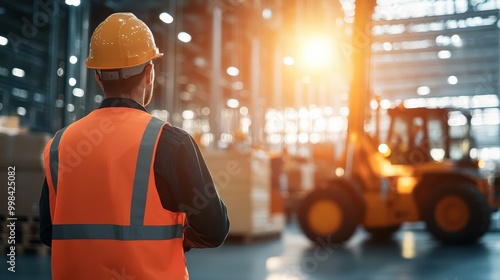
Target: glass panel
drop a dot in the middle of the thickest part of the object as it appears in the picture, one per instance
(460, 141)
(399, 141)
(436, 139)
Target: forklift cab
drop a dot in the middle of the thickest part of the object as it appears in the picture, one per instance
(422, 135)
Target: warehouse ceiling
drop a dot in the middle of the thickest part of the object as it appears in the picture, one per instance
(404, 62)
(443, 55)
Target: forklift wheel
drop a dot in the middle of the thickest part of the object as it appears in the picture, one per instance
(328, 216)
(457, 213)
(382, 232)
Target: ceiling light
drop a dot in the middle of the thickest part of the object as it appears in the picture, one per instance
(200, 62)
(98, 98)
(233, 103)
(267, 13)
(184, 37)
(205, 111)
(244, 111)
(75, 3)
(385, 104)
(456, 40)
(238, 85)
(78, 92)
(387, 46)
(18, 72)
(3, 41)
(188, 114)
(21, 111)
(73, 59)
(4, 71)
(288, 60)
(452, 80)
(166, 18)
(444, 54)
(423, 90)
(232, 71)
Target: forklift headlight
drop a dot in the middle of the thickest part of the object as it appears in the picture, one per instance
(384, 149)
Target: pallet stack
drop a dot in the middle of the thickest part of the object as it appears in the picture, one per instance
(23, 151)
(26, 236)
(243, 180)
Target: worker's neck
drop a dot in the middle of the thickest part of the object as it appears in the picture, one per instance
(139, 98)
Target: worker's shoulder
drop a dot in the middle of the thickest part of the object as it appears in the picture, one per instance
(73, 125)
(174, 133)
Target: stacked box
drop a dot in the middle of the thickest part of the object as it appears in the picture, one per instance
(243, 180)
(25, 235)
(21, 154)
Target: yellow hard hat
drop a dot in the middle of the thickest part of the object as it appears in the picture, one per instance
(121, 41)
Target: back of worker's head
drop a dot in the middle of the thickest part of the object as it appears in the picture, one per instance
(121, 48)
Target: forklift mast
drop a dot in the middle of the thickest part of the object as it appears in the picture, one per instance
(359, 94)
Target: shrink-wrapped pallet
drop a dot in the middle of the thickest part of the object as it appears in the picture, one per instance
(243, 180)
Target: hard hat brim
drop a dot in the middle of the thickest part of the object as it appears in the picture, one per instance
(91, 65)
(121, 41)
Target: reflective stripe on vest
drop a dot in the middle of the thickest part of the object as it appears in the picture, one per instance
(137, 230)
(54, 157)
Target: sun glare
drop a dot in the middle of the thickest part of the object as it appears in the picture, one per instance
(317, 52)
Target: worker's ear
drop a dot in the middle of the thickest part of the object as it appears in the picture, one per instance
(98, 79)
(149, 74)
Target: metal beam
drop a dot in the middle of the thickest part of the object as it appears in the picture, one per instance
(215, 89)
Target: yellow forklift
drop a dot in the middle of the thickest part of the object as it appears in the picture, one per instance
(421, 172)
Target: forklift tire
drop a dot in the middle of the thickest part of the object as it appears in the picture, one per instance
(457, 214)
(328, 216)
(382, 232)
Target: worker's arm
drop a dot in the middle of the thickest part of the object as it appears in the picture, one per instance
(45, 220)
(185, 185)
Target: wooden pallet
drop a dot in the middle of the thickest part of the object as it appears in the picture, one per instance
(30, 249)
(26, 236)
(253, 238)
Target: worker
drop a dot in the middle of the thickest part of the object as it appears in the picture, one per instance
(125, 194)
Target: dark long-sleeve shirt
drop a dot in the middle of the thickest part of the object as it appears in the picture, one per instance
(184, 185)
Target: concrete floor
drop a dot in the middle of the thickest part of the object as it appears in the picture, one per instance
(412, 254)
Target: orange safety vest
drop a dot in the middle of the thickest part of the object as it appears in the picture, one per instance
(108, 220)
